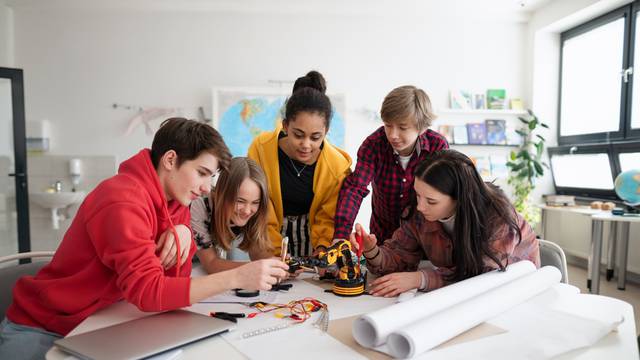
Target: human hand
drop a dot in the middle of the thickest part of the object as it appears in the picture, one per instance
(369, 241)
(394, 284)
(166, 246)
(290, 275)
(259, 274)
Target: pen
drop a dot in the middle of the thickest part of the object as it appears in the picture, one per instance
(223, 314)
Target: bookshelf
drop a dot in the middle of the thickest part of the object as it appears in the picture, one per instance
(490, 159)
(483, 112)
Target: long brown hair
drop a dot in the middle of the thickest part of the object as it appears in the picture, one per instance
(481, 209)
(224, 197)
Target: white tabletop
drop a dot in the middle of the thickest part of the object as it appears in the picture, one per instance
(295, 342)
(608, 216)
(581, 210)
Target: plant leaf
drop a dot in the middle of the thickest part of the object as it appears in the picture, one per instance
(517, 166)
(544, 125)
(540, 137)
(539, 148)
(539, 168)
(523, 120)
(524, 154)
(513, 155)
(532, 124)
(521, 132)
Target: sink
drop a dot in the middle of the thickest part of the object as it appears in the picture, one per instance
(55, 201)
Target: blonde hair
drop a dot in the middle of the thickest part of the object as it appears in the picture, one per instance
(224, 197)
(408, 102)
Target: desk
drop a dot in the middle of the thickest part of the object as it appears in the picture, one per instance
(596, 246)
(306, 342)
(598, 217)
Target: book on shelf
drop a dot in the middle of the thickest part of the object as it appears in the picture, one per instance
(560, 200)
(447, 132)
(476, 133)
(483, 165)
(460, 134)
(496, 131)
(496, 99)
(460, 99)
(479, 101)
(499, 169)
(516, 104)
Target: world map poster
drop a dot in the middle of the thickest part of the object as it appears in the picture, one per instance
(240, 114)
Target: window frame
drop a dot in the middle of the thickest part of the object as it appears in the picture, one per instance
(635, 17)
(622, 148)
(624, 121)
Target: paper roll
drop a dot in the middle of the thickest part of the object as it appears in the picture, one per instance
(429, 332)
(372, 329)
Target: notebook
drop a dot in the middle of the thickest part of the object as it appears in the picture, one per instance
(144, 337)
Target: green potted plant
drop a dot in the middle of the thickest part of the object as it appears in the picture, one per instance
(526, 165)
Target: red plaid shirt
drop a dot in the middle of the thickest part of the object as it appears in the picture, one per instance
(392, 185)
(419, 238)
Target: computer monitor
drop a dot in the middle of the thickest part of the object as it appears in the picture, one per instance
(585, 171)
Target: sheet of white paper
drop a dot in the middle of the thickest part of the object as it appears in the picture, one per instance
(373, 328)
(293, 343)
(537, 330)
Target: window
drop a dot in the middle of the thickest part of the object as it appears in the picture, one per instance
(599, 111)
(585, 170)
(629, 161)
(591, 85)
(596, 79)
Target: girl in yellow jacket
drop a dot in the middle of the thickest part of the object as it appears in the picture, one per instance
(304, 171)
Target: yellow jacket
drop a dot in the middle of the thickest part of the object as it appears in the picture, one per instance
(332, 167)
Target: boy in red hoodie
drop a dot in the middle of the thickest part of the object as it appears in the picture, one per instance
(109, 252)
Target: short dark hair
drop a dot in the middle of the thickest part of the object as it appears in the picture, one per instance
(309, 95)
(189, 139)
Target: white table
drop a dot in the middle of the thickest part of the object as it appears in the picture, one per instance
(598, 217)
(623, 250)
(308, 343)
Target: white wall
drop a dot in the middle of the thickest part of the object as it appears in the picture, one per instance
(544, 48)
(79, 57)
(78, 61)
(6, 35)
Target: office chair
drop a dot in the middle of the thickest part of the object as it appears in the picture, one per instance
(552, 254)
(10, 274)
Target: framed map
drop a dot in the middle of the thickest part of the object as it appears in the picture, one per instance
(240, 114)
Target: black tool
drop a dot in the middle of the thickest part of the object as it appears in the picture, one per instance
(233, 317)
(246, 293)
(283, 287)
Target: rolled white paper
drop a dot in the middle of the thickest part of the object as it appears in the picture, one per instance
(427, 333)
(371, 330)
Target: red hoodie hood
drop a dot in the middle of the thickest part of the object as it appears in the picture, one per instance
(140, 168)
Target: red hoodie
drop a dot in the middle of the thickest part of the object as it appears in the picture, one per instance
(108, 254)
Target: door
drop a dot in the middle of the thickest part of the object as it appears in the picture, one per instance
(14, 198)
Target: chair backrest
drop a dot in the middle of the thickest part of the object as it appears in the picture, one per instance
(552, 254)
(10, 274)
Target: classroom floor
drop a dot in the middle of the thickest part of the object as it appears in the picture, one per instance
(578, 278)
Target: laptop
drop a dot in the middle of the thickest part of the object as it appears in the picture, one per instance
(144, 337)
